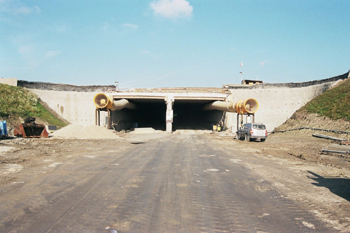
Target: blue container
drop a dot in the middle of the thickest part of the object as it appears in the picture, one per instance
(3, 128)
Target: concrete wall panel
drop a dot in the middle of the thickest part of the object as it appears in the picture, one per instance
(75, 107)
(276, 104)
(9, 81)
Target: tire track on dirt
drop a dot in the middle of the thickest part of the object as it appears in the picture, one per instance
(264, 204)
(69, 203)
(180, 183)
(144, 204)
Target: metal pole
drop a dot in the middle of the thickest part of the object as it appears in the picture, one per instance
(96, 116)
(109, 125)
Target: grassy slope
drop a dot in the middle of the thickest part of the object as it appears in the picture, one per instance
(330, 110)
(334, 103)
(18, 102)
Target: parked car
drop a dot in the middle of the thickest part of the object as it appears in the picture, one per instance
(252, 131)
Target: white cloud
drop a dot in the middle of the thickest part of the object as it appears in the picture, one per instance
(17, 8)
(52, 53)
(24, 10)
(130, 25)
(59, 28)
(26, 51)
(146, 52)
(172, 9)
(262, 63)
(105, 27)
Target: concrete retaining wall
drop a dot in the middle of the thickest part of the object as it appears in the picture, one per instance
(73, 103)
(290, 85)
(277, 102)
(64, 87)
(75, 107)
(9, 81)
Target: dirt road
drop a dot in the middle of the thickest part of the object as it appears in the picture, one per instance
(167, 183)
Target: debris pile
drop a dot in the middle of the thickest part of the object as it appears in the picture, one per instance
(74, 131)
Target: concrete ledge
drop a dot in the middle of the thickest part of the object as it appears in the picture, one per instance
(65, 87)
(289, 85)
(144, 130)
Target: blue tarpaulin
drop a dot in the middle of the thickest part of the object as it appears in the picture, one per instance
(3, 128)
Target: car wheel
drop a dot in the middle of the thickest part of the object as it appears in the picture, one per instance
(237, 137)
(263, 139)
(247, 138)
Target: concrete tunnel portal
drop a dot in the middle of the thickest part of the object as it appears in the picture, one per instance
(187, 114)
(163, 111)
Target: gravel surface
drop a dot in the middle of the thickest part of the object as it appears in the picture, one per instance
(75, 131)
(173, 183)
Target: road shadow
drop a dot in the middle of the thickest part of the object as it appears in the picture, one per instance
(338, 186)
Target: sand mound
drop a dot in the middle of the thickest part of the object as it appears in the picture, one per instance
(74, 131)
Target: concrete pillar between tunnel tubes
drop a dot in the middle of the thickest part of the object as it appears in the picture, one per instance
(169, 100)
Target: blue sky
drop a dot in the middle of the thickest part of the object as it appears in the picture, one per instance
(173, 43)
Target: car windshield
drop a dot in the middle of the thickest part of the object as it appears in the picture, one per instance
(259, 127)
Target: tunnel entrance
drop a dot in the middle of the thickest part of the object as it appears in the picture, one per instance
(148, 114)
(190, 115)
(151, 113)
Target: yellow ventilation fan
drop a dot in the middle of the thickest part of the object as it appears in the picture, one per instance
(103, 101)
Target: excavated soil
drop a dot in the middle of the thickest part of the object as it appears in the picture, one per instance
(303, 119)
(299, 144)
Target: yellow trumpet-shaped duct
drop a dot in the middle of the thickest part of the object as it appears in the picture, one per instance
(103, 101)
(242, 106)
(246, 106)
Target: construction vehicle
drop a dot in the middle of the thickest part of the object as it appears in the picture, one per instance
(29, 129)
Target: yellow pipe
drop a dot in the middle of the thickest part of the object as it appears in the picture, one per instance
(242, 106)
(103, 101)
(220, 105)
(123, 103)
(247, 106)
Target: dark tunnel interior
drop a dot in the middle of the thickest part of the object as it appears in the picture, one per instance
(152, 113)
(189, 115)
